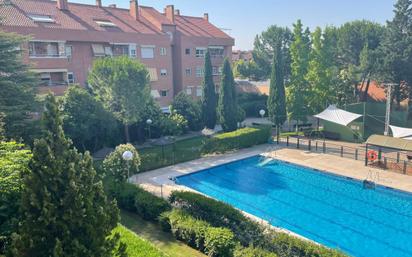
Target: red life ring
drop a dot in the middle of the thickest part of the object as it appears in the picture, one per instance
(372, 155)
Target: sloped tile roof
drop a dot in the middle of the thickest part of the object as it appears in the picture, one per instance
(83, 17)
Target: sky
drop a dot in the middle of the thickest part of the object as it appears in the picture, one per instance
(244, 19)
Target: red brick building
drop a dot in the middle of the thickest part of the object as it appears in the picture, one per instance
(67, 37)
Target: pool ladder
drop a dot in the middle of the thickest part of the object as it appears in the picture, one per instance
(371, 180)
(268, 155)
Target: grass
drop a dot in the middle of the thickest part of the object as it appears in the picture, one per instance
(153, 233)
(137, 246)
(161, 156)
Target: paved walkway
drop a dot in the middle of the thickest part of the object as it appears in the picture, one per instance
(159, 182)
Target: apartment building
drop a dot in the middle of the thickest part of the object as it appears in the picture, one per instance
(67, 37)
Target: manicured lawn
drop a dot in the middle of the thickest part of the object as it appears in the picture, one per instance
(136, 246)
(181, 151)
(153, 233)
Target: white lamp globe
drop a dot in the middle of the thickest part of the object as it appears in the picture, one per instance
(262, 112)
(149, 121)
(127, 155)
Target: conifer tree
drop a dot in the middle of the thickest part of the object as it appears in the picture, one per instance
(208, 95)
(227, 107)
(276, 100)
(65, 210)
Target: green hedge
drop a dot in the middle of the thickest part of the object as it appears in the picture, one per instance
(252, 252)
(246, 231)
(199, 234)
(218, 214)
(241, 138)
(285, 245)
(135, 199)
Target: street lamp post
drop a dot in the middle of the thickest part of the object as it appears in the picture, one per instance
(127, 156)
(262, 113)
(149, 122)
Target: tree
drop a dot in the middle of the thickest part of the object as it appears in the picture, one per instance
(122, 85)
(276, 100)
(264, 47)
(14, 160)
(298, 87)
(17, 86)
(64, 207)
(85, 120)
(396, 52)
(227, 107)
(189, 109)
(208, 95)
(320, 75)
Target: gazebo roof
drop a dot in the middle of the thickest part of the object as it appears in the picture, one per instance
(390, 142)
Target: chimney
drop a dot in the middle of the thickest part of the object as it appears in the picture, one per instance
(134, 9)
(170, 13)
(177, 12)
(112, 5)
(99, 3)
(62, 5)
(206, 16)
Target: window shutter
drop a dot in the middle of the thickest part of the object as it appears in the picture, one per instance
(62, 49)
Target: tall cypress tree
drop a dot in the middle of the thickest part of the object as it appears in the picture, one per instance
(65, 210)
(227, 106)
(276, 101)
(208, 95)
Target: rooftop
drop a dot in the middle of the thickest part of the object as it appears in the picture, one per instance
(84, 17)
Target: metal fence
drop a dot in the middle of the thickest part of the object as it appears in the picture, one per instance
(394, 161)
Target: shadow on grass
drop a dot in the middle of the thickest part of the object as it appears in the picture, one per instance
(153, 233)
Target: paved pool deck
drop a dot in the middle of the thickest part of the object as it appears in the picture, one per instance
(158, 181)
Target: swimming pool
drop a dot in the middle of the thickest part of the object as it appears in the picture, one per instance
(331, 210)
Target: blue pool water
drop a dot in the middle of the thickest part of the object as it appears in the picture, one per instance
(332, 210)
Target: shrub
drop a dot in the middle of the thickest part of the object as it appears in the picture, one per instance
(252, 252)
(115, 166)
(135, 199)
(219, 242)
(238, 139)
(285, 245)
(189, 109)
(174, 125)
(201, 235)
(218, 214)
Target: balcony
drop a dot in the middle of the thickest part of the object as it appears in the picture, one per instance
(39, 49)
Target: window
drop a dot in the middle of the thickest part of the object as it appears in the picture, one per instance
(163, 51)
(216, 51)
(199, 91)
(163, 93)
(41, 18)
(188, 72)
(119, 50)
(147, 52)
(133, 50)
(200, 52)
(45, 79)
(70, 77)
(46, 49)
(199, 71)
(105, 23)
(98, 50)
(152, 74)
(163, 72)
(189, 90)
(108, 51)
(68, 50)
(154, 93)
(216, 71)
(187, 51)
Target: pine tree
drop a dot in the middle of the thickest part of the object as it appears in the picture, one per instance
(276, 101)
(208, 95)
(17, 86)
(227, 107)
(64, 207)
